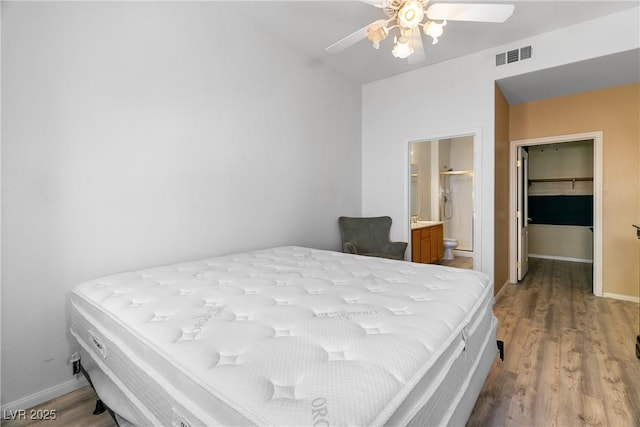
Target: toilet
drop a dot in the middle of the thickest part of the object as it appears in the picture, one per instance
(449, 246)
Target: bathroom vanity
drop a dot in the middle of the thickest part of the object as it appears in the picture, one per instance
(427, 241)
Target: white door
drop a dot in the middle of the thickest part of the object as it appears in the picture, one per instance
(522, 214)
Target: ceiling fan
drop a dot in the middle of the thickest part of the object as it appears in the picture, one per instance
(408, 17)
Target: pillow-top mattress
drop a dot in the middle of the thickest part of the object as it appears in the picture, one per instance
(284, 336)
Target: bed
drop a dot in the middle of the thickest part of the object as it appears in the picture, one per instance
(287, 336)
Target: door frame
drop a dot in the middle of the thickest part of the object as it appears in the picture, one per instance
(522, 236)
(597, 138)
(476, 192)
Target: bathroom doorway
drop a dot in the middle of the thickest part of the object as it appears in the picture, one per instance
(442, 190)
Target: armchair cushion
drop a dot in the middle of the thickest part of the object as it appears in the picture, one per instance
(370, 236)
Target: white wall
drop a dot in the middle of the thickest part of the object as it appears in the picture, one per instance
(461, 153)
(460, 205)
(139, 134)
(459, 94)
(455, 97)
(422, 159)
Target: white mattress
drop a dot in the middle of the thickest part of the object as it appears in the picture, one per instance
(287, 336)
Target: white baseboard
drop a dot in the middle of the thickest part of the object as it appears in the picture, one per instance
(504, 286)
(562, 258)
(463, 253)
(45, 395)
(621, 297)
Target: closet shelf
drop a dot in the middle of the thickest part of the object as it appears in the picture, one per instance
(571, 180)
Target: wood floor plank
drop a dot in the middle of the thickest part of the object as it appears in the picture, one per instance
(522, 402)
(545, 383)
(570, 377)
(593, 414)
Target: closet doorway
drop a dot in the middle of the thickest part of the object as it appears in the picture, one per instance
(565, 199)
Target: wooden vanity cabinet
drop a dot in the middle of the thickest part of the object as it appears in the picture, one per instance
(427, 244)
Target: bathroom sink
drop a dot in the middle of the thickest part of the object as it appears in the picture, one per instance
(421, 224)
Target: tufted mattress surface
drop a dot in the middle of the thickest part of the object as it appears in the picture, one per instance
(282, 336)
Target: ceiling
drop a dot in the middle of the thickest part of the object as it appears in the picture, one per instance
(311, 26)
(597, 73)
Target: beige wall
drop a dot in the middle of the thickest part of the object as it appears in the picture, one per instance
(563, 160)
(501, 231)
(615, 112)
(571, 242)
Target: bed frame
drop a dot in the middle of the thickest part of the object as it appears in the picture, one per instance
(100, 407)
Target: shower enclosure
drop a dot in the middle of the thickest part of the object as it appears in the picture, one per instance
(456, 204)
(455, 166)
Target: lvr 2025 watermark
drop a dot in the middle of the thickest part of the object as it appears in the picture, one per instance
(29, 414)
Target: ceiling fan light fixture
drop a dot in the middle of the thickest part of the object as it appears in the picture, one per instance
(434, 30)
(402, 47)
(408, 19)
(410, 14)
(376, 33)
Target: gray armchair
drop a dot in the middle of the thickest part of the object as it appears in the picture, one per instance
(370, 237)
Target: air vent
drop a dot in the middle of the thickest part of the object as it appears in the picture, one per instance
(514, 55)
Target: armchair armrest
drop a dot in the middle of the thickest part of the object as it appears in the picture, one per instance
(349, 248)
(398, 249)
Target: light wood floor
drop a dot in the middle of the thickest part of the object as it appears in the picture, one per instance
(459, 262)
(74, 409)
(569, 359)
(569, 356)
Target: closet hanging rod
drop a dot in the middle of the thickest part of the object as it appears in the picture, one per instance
(456, 173)
(571, 180)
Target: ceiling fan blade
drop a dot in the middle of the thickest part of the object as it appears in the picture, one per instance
(374, 3)
(352, 38)
(470, 12)
(418, 49)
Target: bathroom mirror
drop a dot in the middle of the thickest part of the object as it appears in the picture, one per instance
(442, 188)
